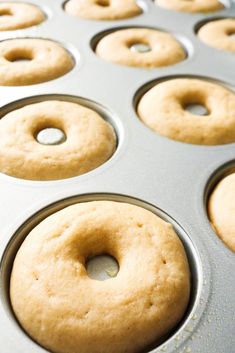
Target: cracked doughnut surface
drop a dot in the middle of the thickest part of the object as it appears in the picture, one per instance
(19, 15)
(103, 9)
(163, 109)
(164, 48)
(66, 311)
(43, 60)
(90, 141)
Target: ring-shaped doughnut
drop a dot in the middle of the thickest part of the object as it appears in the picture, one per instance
(164, 48)
(163, 109)
(19, 15)
(222, 212)
(66, 311)
(103, 9)
(217, 33)
(29, 61)
(193, 6)
(90, 141)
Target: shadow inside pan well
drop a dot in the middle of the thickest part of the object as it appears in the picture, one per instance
(21, 233)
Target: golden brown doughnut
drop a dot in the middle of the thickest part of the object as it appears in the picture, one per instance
(163, 109)
(90, 141)
(66, 311)
(217, 33)
(116, 47)
(19, 15)
(191, 5)
(103, 9)
(222, 211)
(45, 61)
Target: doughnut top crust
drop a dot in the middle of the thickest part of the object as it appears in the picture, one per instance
(222, 211)
(193, 6)
(65, 311)
(164, 48)
(15, 15)
(103, 9)
(217, 33)
(163, 109)
(90, 141)
(45, 61)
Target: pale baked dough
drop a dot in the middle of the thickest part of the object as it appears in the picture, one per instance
(65, 311)
(165, 49)
(103, 9)
(90, 141)
(217, 34)
(19, 15)
(222, 211)
(191, 5)
(162, 108)
(46, 60)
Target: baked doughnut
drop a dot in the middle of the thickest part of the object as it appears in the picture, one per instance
(43, 60)
(66, 311)
(19, 15)
(222, 211)
(90, 141)
(191, 6)
(164, 49)
(217, 34)
(163, 109)
(103, 9)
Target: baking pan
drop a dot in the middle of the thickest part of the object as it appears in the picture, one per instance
(170, 178)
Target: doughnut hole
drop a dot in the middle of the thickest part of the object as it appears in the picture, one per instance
(231, 33)
(5, 12)
(102, 267)
(103, 3)
(139, 46)
(197, 109)
(196, 105)
(19, 54)
(51, 136)
(49, 132)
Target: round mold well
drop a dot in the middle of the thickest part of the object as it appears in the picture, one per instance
(181, 39)
(225, 3)
(140, 3)
(216, 176)
(104, 112)
(69, 48)
(47, 12)
(203, 22)
(27, 225)
(193, 108)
